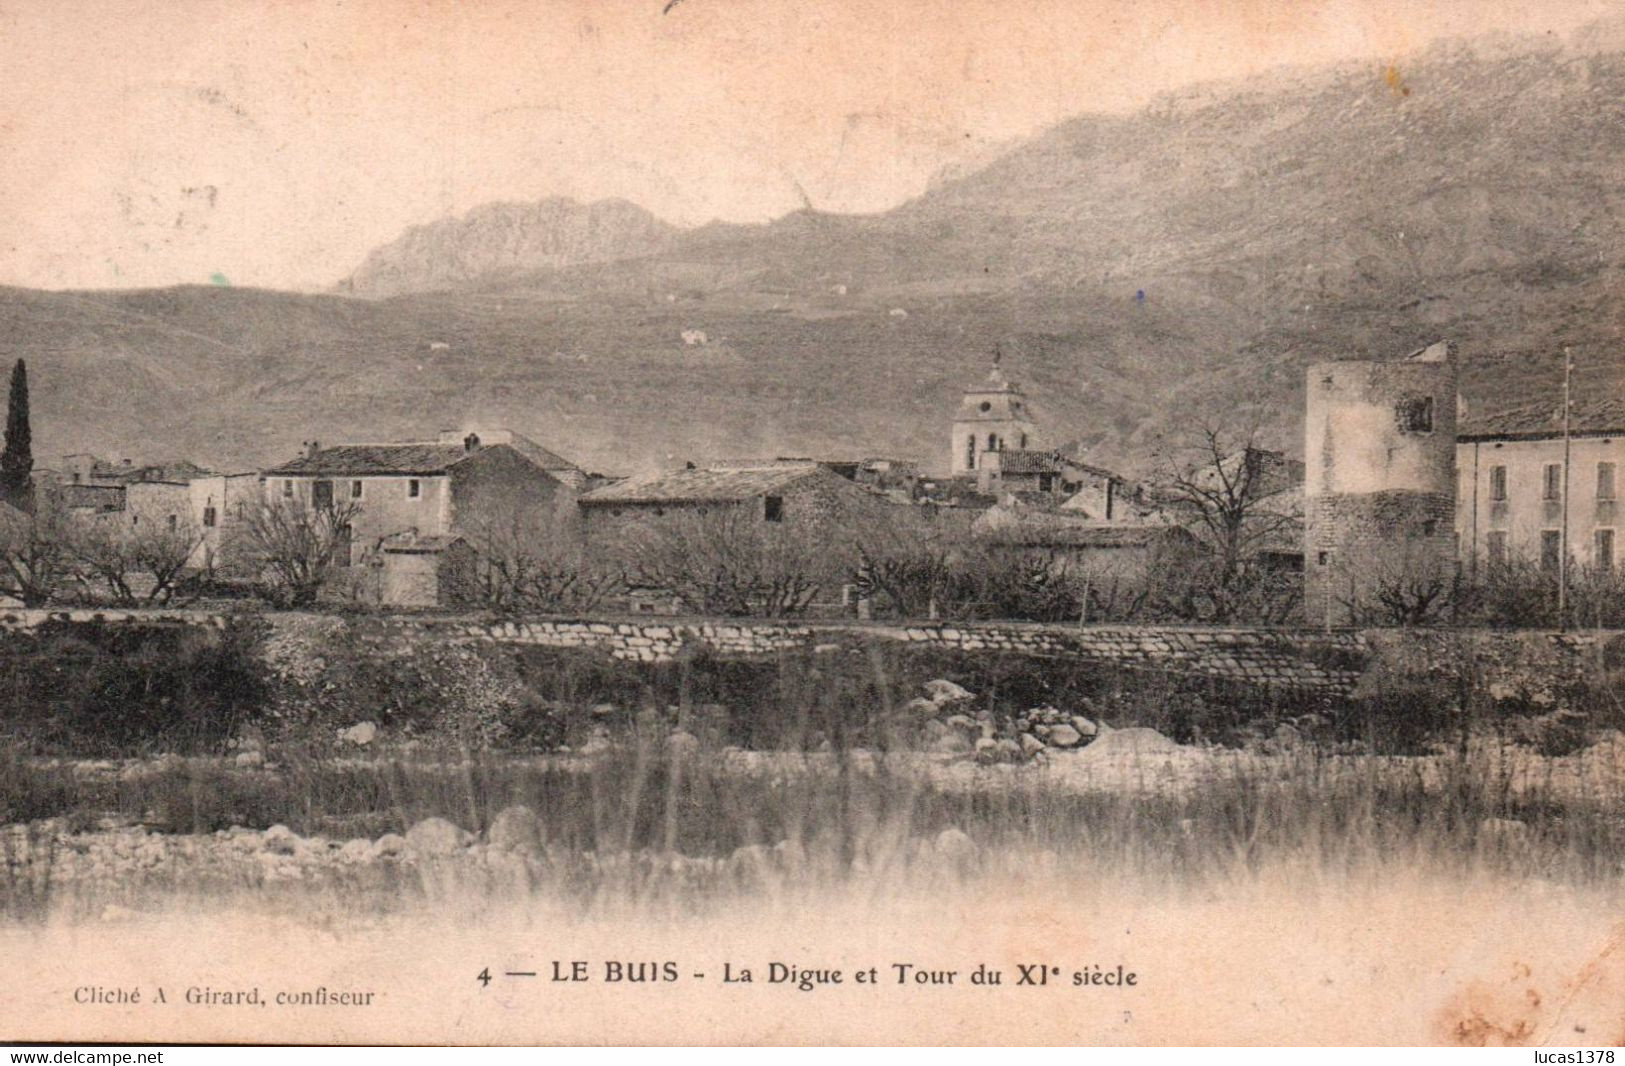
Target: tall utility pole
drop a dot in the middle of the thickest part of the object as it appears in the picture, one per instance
(1563, 537)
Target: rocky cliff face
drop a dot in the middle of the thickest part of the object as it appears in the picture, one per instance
(499, 240)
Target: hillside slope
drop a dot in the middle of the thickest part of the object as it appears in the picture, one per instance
(1140, 272)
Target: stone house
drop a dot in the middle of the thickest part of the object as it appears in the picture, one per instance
(416, 492)
(211, 508)
(1078, 542)
(1510, 498)
(805, 502)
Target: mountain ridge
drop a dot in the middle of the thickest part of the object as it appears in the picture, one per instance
(1140, 272)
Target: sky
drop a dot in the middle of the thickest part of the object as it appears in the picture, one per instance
(273, 144)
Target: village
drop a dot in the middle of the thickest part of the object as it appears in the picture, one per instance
(1407, 511)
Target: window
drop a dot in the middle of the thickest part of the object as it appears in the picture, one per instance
(1322, 558)
(287, 488)
(355, 489)
(1046, 482)
(1415, 414)
(1551, 549)
(1605, 481)
(992, 443)
(1024, 442)
(1602, 549)
(174, 523)
(773, 508)
(1496, 545)
(1430, 527)
(414, 488)
(985, 407)
(1552, 483)
(1498, 483)
(208, 517)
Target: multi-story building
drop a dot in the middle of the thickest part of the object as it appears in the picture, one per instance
(1514, 486)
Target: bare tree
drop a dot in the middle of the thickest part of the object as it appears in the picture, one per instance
(34, 560)
(106, 550)
(1407, 586)
(726, 561)
(300, 545)
(526, 563)
(1238, 500)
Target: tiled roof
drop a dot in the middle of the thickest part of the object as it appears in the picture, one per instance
(537, 454)
(1590, 418)
(363, 459)
(700, 484)
(412, 457)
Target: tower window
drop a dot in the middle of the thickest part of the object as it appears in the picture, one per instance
(773, 508)
(985, 407)
(1415, 414)
(414, 488)
(1602, 551)
(992, 443)
(1024, 442)
(1552, 483)
(970, 452)
(1605, 481)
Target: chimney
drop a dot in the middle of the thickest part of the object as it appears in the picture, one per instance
(471, 442)
(311, 448)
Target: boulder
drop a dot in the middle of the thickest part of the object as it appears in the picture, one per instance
(987, 750)
(1064, 736)
(1007, 750)
(1084, 726)
(1133, 741)
(951, 744)
(280, 840)
(515, 829)
(361, 734)
(388, 846)
(436, 836)
(963, 724)
(922, 707)
(941, 691)
(249, 760)
(1030, 745)
(358, 850)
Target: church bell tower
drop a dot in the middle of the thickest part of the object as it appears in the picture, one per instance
(992, 417)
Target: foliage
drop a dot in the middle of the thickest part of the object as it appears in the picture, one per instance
(17, 459)
(110, 690)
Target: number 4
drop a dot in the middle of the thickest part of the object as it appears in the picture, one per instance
(485, 977)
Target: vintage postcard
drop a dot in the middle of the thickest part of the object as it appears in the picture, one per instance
(852, 521)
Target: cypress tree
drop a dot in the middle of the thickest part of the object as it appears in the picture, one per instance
(17, 460)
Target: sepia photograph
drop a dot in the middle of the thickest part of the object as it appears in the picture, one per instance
(851, 522)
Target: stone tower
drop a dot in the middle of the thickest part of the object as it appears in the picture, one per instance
(992, 417)
(1380, 480)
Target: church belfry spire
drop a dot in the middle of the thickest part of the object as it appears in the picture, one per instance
(992, 417)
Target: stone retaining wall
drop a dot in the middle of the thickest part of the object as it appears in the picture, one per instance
(1305, 661)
